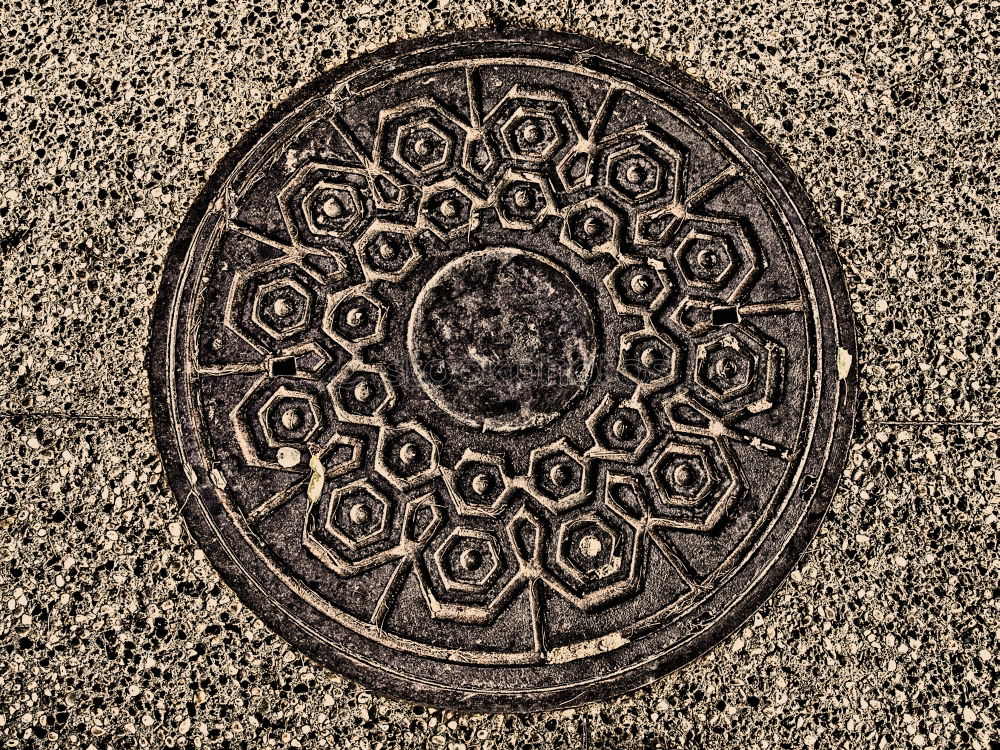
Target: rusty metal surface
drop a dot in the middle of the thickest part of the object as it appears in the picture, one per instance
(503, 373)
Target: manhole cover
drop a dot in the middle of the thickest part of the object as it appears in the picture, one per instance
(502, 372)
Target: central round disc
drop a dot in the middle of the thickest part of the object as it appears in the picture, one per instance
(502, 339)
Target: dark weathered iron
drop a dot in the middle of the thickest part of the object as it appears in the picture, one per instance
(503, 372)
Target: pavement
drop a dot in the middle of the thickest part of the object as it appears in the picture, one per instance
(115, 630)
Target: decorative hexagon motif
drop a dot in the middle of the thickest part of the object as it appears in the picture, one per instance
(274, 304)
(532, 133)
(683, 475)
(533, 126)
(325, 202)
(695, 483)
(523, 200)
(421, 137)
(387, 252)
(587, 546)
(352, 528)
(706, 259)
(468, 573)
(283, 307)
(358, 514)
(639, 166)
(621, 431)
(716, 255)
(478, 484)
(725, 368)
(276, 426)
(595, 556)
(637, 288)
(634, 174)
(448, 209)
(737, 369)
(356, 317)
(289, 417)
(361, 394)
(422, 147)
(558, 476)
(468, 560)
(406, 456)
(332, 208)
(650, 359)
(591, 227)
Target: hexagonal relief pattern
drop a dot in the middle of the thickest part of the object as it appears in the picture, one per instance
(484, 343)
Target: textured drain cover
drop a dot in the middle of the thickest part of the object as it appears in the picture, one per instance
(503, 373)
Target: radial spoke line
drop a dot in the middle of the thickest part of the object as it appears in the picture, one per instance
(754, 441)
(253, 234)
(470, 88)
(777, 307)
(232, 368)
(713, 426)
(711, 187)
(391, 591)
(676, 559)
(603, 112)
(537, 607)
(359, 151)
(277, 500)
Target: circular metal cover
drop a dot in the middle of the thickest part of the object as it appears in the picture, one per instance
(503, 372)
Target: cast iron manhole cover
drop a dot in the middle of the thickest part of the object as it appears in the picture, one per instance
(503, 372)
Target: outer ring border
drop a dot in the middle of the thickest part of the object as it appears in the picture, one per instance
(815, 508)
